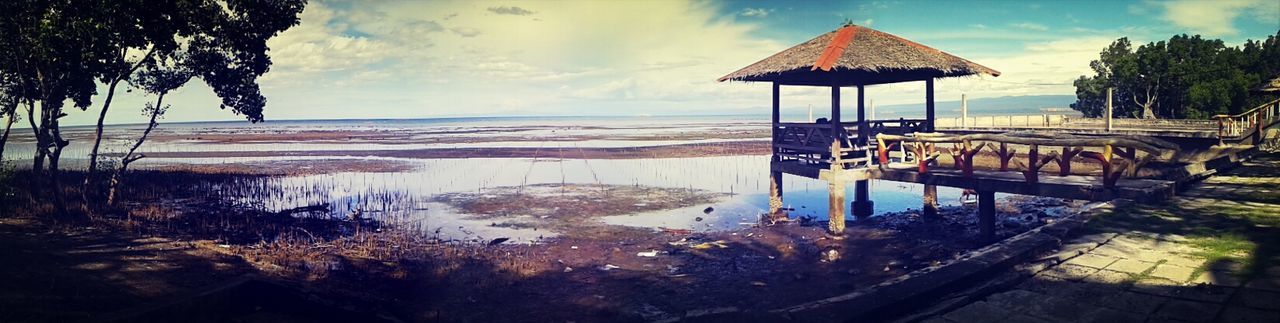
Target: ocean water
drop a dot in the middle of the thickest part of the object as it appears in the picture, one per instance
(411, 195)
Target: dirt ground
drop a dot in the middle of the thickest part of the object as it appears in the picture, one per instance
(73, 272)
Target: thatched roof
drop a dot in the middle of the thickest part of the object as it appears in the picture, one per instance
(1270, 86)
(855, 55)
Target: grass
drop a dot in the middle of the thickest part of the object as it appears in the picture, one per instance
(1235, 229)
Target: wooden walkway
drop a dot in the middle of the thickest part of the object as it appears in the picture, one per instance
(1077, 187)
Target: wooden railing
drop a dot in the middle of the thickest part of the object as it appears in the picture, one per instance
(1248, 124)
(1010, 121)
(815, 143)
(1118, 156)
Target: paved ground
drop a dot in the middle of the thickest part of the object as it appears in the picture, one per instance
(1211, 255)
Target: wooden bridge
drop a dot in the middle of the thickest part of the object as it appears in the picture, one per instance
(1081, 163)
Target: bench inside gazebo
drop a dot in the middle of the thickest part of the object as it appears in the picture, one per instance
(832, 150)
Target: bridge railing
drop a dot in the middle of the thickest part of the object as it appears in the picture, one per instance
(1248, 124)
(1118, 156)
(817, 143)
(1009, 121)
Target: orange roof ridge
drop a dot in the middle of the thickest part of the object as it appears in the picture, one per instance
(835, 49)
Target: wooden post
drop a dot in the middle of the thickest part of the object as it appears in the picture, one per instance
(930, 207)
(986, 214)
(835, 191)
(836, 128)
(777, 118)
(1108, 113)
(835, 184)
(928, 107)
(775, 192)
(931, 192)
(835, 211)
(862, 118)
(872, 105)
(862, 196)
(964, 112)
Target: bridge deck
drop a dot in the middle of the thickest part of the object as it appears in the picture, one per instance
(1070, 187)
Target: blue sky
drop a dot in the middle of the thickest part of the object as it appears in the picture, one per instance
(414, 59)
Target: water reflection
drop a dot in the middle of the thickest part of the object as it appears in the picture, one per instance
(409, 198)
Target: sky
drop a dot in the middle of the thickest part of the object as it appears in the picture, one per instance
(423, 59)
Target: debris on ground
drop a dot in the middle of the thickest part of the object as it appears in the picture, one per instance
(707, 245)
(498, 241)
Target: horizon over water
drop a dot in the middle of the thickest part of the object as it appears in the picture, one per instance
(1019, 105)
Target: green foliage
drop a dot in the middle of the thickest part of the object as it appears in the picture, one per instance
(58, 50)
(1184, 77)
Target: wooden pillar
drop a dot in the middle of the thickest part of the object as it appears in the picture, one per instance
(872, 106)
(930, 207)
(1108, 110)
(835, 211)
(986, 214)
(777, 118)
(929, 115)
(863, 132)
(836, 129)
(835, 184)
(775, 192)
(964, 112)
(862, 206)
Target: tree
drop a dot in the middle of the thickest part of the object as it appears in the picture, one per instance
(159, 81)
(8, 111)
(1184, 77)
(62, 48)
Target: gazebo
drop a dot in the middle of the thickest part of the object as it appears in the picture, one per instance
(851, 56)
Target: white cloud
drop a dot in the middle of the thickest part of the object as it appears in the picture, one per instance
(1217, 18)
(465, 31)
(512, 10)
(1030, 26)
(1042, 67)
(755, 12)
(576, 57)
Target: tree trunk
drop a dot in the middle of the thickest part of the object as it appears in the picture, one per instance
(130, 157)
(8, 126)
(102, 116)
(37, 166)
(97, 138)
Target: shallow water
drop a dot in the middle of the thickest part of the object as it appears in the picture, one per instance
(409, 198)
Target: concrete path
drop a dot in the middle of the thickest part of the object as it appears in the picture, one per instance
(1210, 255)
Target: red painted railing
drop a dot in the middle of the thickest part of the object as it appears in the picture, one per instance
(1118, 156)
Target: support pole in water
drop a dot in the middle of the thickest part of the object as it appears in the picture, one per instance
(775, 192)
(862, 205)
(861, 196)
(930, 208)
(775, 178)
(835, 211)
(986, 215)
(930, 191)
(835, 184)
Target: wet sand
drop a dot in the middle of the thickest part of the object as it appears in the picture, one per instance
(592, 270)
